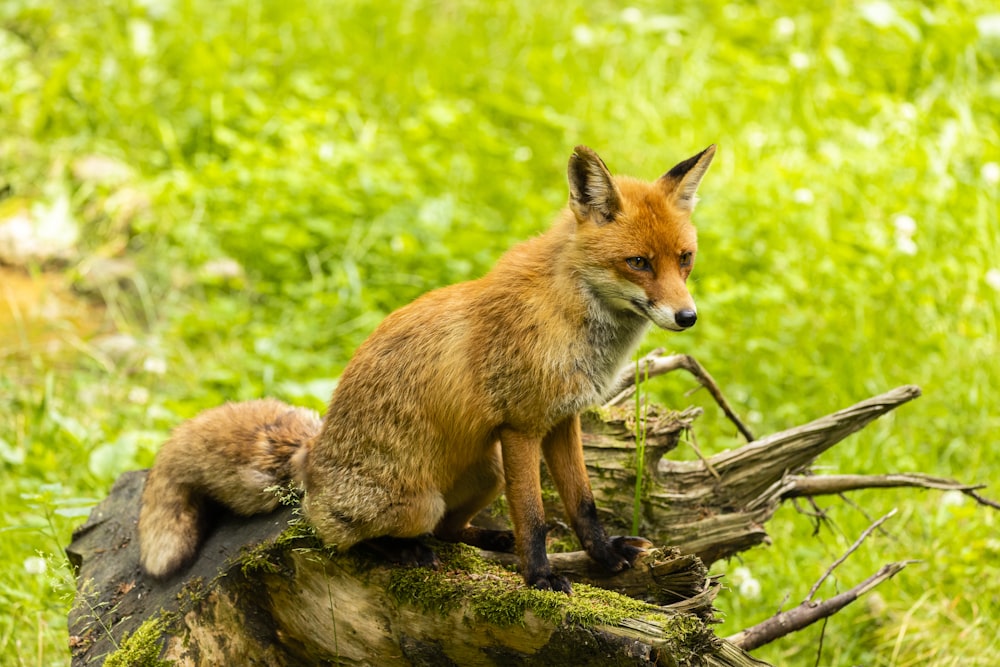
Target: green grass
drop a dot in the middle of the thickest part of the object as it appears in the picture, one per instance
(348, 156)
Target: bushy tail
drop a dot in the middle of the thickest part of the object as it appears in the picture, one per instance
(171, 525)
(229, 455)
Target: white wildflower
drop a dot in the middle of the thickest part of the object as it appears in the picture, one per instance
(750, 589)
(905, 225)
(748, 586)
(141, 36)
(990, 173)
(804, 196)
(784, 27)
(631, 15)
(35, 565)
(880, 14)
(993, 279)
(799, 60)
(952, 499)
(988, 26)
(222, 268)
(906, 245)
(907, 111)
(583, 35)
(138, 395)
(155, 365)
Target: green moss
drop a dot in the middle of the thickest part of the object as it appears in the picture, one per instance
(289, 495)
(141, 648)
(266, 556)
(498, 596)
(596, 606)
(425, 589)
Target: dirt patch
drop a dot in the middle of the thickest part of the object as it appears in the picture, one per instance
(41, 315)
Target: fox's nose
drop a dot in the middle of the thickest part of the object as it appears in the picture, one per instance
(685, 318)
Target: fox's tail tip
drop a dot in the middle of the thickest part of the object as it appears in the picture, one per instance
(165, 553)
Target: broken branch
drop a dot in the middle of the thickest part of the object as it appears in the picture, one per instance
(854, 547)
(807, 613)
(655, 363)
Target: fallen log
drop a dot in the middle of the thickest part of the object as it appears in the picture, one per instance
(265, 591)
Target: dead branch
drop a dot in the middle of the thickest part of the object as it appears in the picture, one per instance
(715, 515)
(258, 594)
(807, 613)
(254, 595)
(854, 547)
(655, 363)
(980, 499)
(797, 486)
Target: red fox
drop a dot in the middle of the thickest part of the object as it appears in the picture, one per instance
(459, 395)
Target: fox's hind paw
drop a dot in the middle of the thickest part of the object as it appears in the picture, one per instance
(406, 551)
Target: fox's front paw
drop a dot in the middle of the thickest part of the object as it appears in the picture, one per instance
(630, 546)
(549, 582)
(619, 552)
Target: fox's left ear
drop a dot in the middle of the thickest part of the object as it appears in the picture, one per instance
(681, 182)
(592, 192)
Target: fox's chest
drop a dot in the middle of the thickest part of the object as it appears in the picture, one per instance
(543, 365)
(577, 372)
(609, 343)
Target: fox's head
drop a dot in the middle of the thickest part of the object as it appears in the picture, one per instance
(635, 244)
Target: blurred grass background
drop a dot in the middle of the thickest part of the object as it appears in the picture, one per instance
(253, 185)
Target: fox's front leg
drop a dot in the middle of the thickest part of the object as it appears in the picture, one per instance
(522, 459)
(563, 451)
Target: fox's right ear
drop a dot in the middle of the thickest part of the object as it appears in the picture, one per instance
(592, 192)
(681, 182)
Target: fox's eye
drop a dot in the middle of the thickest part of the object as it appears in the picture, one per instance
(637, 263)
(686, 259)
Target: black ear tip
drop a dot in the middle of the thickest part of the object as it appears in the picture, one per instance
(682, 168)
(709, 153)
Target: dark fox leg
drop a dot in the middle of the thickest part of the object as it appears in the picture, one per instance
(521, 463)
(564, 456)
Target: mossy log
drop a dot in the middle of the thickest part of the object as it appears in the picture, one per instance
(265, 592)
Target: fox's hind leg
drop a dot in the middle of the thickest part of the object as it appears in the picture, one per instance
(357, 508)
(478, 487)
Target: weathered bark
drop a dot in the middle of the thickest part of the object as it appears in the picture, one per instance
(717, 507)
(266, 593)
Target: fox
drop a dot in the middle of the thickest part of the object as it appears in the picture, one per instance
(459, 396)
